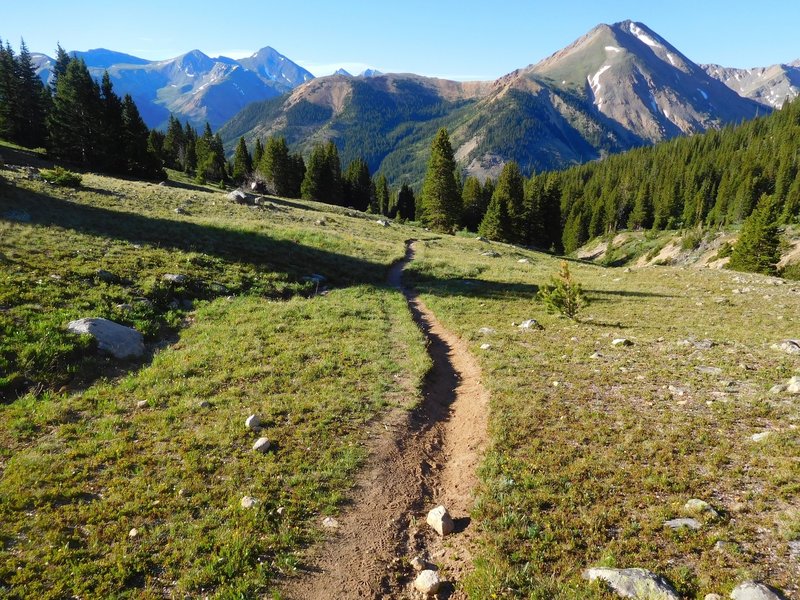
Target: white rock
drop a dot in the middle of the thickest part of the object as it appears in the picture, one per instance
(778, 388)
(237, 196)
(141, 404)
(382, 223)
(697, 506)
(418, 564)
(680, 523)
(751, 590)
(486, 331)
(793, 385)
(248, 502)
(788, 346)
(639, 584)
(712, 597)
(428, 582)
(621, 342)
(253, 422)
(440, 520)
(115, 339)
(485, 346)
(262, 445)
(760, 437)
(133, 532)
(330, 523)
(529, 324)
(523, 261)
(596, 355)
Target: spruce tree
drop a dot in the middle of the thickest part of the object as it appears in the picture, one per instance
(242, 163)
(313, 186)
(175, 145)
(757, 250)
(258, 152)
(406, 203)
(60, 66)
(140, 161)
(74, 121)
(357, 184)
(334, 174)
(381, 195)
(275, 166)
(496, 224)
(190, 159)
(474, 202)
(31, 130)
(111, 130)
(297, 172)
(440, 200)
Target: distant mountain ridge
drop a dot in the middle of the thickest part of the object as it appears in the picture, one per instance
(193, 86)
(770, 86)
(617, 87)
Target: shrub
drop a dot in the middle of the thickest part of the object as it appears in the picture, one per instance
(563, 294)
(61, 176)
(692, 240)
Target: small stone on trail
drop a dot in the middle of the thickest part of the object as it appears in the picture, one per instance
(440, 520)
(262, 445)
(697, 506)
(248, 502)
(760, 437)
(133, 532)
(428, 582)
(621, 342)
(418, 564)
(330, 523)
(680, 523)
(751, 590)
(634, 583)
(141, 404)
(253, 422)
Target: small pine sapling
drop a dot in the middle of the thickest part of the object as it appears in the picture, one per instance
(563, 295)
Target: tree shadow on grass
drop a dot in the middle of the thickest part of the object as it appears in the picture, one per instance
(473, 288)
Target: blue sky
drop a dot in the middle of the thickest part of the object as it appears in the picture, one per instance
(452, 39)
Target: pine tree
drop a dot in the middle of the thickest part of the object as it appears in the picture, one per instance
(31, 130)
(474, 202)
(258, 152)
(334, 174)
(564, 294)
(381, 195)
(242, 163)
(140, 161)
(8, 92)
(175, 145)
(440, 200)
(406, 203)
(74, 121)
(757, 250)
(275, 166)
(190, 160)
(111, 130)
(313, 182)
(60, 66)
(297, 172)
(357, 184)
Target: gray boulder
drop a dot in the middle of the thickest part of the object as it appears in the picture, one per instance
(176, 278)
(115, 339)
(639, 584)
(788, 346)
(752, 590)
(237, 196)
(428, 582)
(681, 523)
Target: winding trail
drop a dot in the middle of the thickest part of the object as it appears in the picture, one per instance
(418, 459)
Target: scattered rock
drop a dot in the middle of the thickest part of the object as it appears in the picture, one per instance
(676, 391)
(181, 211)
(778, 388)
(248, 502)
(491, 253)
(176, 278)
(330, 523)
(320, 222)
(237, 196)
(481, 239)
(262, 445)
(382, 223)
(793, 385)
(760, 437)
(621, 342)
(698, 507)
(440, 520)
(752, 590)
(726, 546)
(133, 533)
(141, 404)
(124, 306)
(639, 584)
(794, 549)
(523, 261)
(106, 276)
(428, 582)
(596, 355)
(486, 331)
(204, 404)
(530, 324)
(788, 346)
(253, 422)
(712, 597)
(698, 344)
(418, 564)
(485, 346)
(680, 523)
(115, 339)
(709, 370)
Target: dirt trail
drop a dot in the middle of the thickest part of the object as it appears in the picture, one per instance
(418, 459)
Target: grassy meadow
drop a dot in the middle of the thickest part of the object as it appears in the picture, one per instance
(593, 446)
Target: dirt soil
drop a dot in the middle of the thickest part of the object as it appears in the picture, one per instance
(418, 460)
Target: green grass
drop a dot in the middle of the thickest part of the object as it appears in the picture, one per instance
(591, 456)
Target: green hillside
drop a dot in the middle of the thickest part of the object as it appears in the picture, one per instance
(125, 478)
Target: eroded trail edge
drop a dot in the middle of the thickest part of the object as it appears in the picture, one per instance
(418, 459)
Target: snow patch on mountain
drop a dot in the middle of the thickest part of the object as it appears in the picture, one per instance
(642, 35)
(613, 49)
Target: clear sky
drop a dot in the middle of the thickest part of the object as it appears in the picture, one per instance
(446, 38)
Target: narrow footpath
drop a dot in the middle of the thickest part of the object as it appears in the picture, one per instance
(418, 460)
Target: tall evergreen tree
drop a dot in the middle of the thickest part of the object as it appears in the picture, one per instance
(60, 66)
(275, 166)
(496, 224)
(381, 195)
(242, 162)
(406, 209)
(140, 161)
(313, 187)
(74, 121)
(30, 127)
(508, 202)
(757, 249)
(474, 202)
(297, 172)
(258, 152)
(111, 130)
(440, 200)
(357, 184)
(190, 141)
(175, 145)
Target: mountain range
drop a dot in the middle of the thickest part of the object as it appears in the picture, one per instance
(617, 87)
(193, 86)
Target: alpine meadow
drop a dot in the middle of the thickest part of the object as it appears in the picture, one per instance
(266, 334)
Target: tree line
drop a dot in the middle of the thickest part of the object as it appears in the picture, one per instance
(77, 119)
